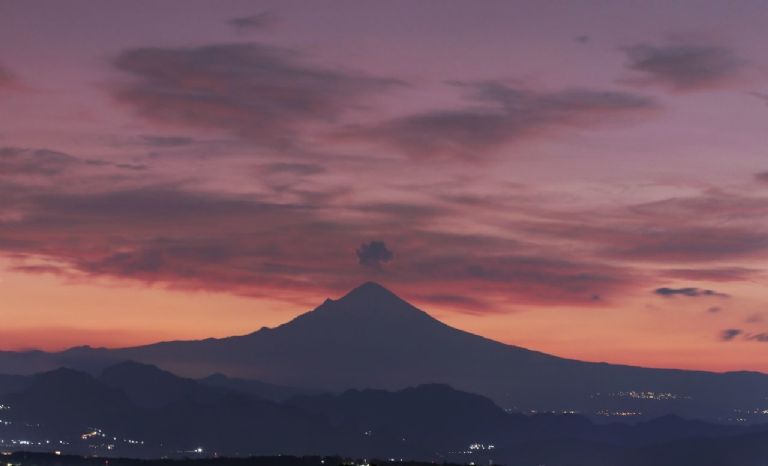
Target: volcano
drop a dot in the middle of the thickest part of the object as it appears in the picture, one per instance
(371, 338)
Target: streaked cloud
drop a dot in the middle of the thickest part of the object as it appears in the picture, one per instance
(258, 21)
(684, 67)
(261, 93)
(730, 334)
(8, 80)
(302, 169)
(165, 141)
(18, 161)
(762, 177)
(717, 274)
(500, 114)
(23, 162)
(690, 292)
(250, 245)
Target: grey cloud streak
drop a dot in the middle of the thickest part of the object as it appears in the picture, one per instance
(684, 67)
(258, 92)
(501, 115)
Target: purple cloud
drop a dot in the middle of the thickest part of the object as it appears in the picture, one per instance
(684, 68)
(258, 92)
(506, 115)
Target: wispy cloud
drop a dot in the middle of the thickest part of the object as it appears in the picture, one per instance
(301, 169)
(717, 274)
(688, 292)
(8, 80)
(251, 245)
(258, 21)
(165, 141)
(760, 95)
(258, 92)
(762, 177)
(761, 337)
(730, 334)
(500, 115)
(20, 162)
(684, 67)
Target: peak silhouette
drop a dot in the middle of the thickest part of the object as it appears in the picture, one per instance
(370, 305)
(370, 291)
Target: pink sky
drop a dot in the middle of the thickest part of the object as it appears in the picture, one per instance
(582, 178)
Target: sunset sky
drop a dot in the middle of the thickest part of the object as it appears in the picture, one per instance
(588, 179)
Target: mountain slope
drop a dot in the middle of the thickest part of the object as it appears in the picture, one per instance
(370, 338)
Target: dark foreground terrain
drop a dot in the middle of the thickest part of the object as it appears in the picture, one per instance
(696, 453)
(49, 459)
(134, 410)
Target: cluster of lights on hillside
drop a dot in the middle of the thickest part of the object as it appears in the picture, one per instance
(607, 413)
(642, 395)
(95, 439)
(474, 448)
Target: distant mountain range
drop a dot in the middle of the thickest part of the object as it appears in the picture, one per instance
(138, 410)
(371, 338)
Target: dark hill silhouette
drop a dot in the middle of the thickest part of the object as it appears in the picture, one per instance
(182, 413)
(371, 338)
(12, 383)
(151, 387)
(741, 451)
(431, 422)
(65, 400)
(434, 415)
(255, 387)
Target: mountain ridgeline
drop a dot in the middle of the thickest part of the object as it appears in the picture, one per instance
(371, 338)
(139, 411)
